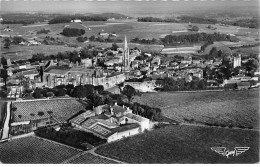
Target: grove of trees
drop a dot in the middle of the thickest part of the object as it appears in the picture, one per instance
(169, 84)
(72, 32)
(172, 40)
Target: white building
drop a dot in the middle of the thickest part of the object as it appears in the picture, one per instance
(76, 21)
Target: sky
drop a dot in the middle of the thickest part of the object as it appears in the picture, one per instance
(129, 7)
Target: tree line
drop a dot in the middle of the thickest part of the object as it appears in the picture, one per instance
(250, 23)
(181, 19)
(174, 40)
(70, 137)
(67, 19)
(72, 56)
(170, 84)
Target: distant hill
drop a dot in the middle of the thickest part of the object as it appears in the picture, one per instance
(116, 16)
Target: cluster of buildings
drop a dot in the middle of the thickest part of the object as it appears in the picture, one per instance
(111, 122)
(123, 67)
(107, 122)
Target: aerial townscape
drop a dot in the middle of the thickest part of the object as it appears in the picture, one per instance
(170, 83)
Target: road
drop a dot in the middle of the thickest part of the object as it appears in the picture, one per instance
(38, 25)
(5, 132)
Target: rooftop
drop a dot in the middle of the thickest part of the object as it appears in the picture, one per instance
(136, 117)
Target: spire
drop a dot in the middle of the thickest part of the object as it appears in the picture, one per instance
(125, 43)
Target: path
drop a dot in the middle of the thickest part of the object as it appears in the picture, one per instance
(233, 128)
(5, 133)
(92, 151)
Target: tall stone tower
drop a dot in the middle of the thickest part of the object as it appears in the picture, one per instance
(237, 61)
(126, 62)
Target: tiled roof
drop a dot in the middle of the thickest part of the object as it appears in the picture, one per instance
(62, 109)
(126, 127)
(106, 123)
(58, 71)
(29, 72)
(136, 117)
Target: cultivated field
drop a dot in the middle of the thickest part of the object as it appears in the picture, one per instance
(248, 51)
(184, 144)
(231, 108)
(25, 52)
(34, 150)
(88, 158)
(130, 28)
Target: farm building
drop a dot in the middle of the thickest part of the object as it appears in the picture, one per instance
(76, 21)
(110, 122)
(243, 85)
(28, 115)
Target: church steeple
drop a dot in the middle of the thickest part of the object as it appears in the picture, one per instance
(125, 44)
(126, 55)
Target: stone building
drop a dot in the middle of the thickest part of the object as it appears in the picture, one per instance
(77, 75)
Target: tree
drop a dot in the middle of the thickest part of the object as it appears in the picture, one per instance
(95, 101)
(90, 90)
(17, 39)
(80, 39)
(49, 94)
(37, 57)
(108, 100)
(7, 43)
(3, 93)
(80, 91)
(114, 47)
(3, 61)
(99, 88)
(4, 75)
(92, 38)
(129, 92)
(37, 94)
(40, 113)
(61, 92)
(41, 73)
(214, 52)
(195, 28)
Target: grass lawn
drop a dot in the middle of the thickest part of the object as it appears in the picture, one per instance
(184, 144)
(236, 108)
(33, 150)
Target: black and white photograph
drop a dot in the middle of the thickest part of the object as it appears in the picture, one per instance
(129, 82)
